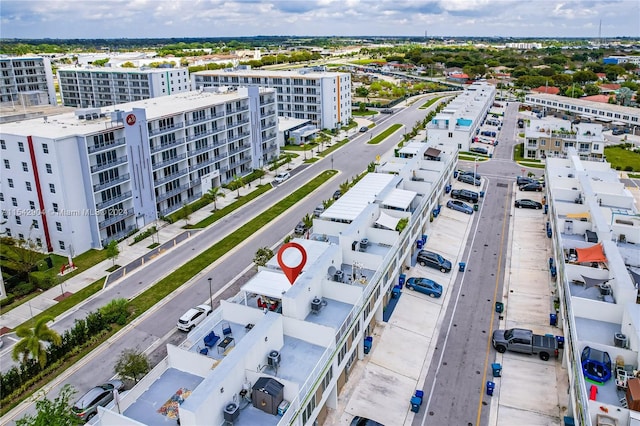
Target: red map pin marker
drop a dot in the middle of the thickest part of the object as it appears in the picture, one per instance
(292, 272)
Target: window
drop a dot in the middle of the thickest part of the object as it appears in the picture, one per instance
(55, 207)
(45, 148)
(52, 188)
(10, 182)
(61, 245)
(28, 186)
(39, 242)
(14, 201)
(25, 167)
(18, 220)
(7, 165)
(32, 205)
(7, 231)
(1, 196)
(49, 169)
(34, 224)
(59, 226)
(21, 236)
(3, 144)
(5, 215)
(20, 146)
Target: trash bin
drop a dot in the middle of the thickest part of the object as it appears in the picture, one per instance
(402, 280)
(447, 189)
(481, 194)
(499, 307)
(553, 319)
(419, 244)
(415, 404)
(490, 387)
(462, 265)
(553, 271)
(568, 421)
(560, 340)
(546, 209)
(551, 262)
(419, 394)
(395, 293)
(368, 342)
(475, 207)
(455, 174)
(496, 369)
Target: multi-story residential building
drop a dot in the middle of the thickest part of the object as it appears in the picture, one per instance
(26, 80)
(98, 87)
(615, 60)
(78, 180)
(316, 95)
(459, 121)
(281, 347)
(596, 111)
(553, 138)
(595, 229)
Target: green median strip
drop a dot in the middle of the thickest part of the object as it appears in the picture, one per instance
(385, 134)
(430, 102)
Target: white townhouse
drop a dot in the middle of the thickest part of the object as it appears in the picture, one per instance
(78, 180)
(104, 86)
(312, 94)
(26, 80)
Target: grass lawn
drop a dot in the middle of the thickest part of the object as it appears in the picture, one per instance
(219, 214)
(622, 158)
(368, 112)
(333, 147)
(385, 134)
(430, 102)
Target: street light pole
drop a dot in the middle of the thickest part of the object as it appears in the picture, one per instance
(210, 293)
(332, 162)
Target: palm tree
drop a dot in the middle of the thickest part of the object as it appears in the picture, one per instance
(31, 345)
(344, 187)
(238, 183)
(213, 194)
(308, 221)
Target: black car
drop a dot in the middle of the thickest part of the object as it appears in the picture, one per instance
(465, 194)
(470, 173)
(363, 421)
(479, 150)
(337, 194)
(533, 186)
(523, 180)
(433, 260)
(469, 179)
(528, 204)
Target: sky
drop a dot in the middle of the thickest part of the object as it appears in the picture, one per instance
(236, 18)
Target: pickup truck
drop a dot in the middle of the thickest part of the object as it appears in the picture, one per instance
(524, 341)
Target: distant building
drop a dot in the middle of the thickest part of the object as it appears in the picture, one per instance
(546, 89)
(104, 86)
(310, 94)
(552, 138)
(458, 78)
(617, 60)
(76, 181)
(524, 46)
(27, 80)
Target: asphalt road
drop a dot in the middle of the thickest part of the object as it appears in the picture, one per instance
(454, 388)
(157, 327)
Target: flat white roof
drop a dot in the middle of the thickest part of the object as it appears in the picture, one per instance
(273, 73)
(268, 283)
(121, 70)
(350, 205)
(399, 198)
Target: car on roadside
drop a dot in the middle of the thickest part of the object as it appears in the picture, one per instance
(193, 317)
(470, 173)
(469, 179)
(318, 210)
(465, 194)
(533, 186)
(425, 286)
(528, 204)
(523, 180)
(479, 150)
(337, 194)
(433, 260)
(86, 407)
(300, 229)
(364, 129)
(387, 111)
(459, 206)
(281, 177)
(363, 421)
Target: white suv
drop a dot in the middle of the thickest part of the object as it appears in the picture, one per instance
(193, 317)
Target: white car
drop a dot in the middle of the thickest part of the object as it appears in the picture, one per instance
(281, 177)
(193, 317)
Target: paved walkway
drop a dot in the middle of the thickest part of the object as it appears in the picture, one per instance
(130, 255)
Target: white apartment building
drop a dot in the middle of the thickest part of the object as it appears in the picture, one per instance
(26, 80)
(597, 111)
(553, 138)
(460, 120)
(310, 94)
(98, 87)
(595, 226)
(78, 180)
(284, 350)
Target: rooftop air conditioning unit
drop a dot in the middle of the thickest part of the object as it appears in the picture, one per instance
(273, 359)
(620, 340)
(338, 276)
(231, 412)
(316, 305)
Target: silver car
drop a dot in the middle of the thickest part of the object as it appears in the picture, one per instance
(87, 406)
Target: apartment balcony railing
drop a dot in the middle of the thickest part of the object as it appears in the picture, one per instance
(112, 201)
(206, 133)
(162, 146)
(237, 123)
(268, 124)
(239, 149)
(114, 219)
(171, 193)
(170, 177)
(168, 162)
(98, 148)
(238, 136)
(113, 182)
(201, 165)
(174, 126)
(109, 165)
(200, 150)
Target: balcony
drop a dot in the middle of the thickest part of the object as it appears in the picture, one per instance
(205, 134)
(161, 147)
(199, 150)
(268, 124)
(170, 161)
(98, 148)
(171, 193)
(112, 201)
(170, 177)
(109, 165)
(108, 184)
(201, 165)
(166, 129)
(239, 149)
(114, 219)
(238, 136)
(238, 123)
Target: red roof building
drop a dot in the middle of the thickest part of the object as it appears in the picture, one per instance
(551, 90)
(603, 99)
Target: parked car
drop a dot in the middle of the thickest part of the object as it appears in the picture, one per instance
(464, 194)
(523, 180)
(460, 206)
(425, 286)
(337, 194)
(301, 228)
(363, 421)
(525, 341)
(318, 210)
(528, 204)
(469, 179)
(433, 260)
(617, 132)
(364, 129)
(193, 317)
(281, 177)
(533, 186)
(388, 111)
(479, 150)
(87, 405)
(470, 173)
